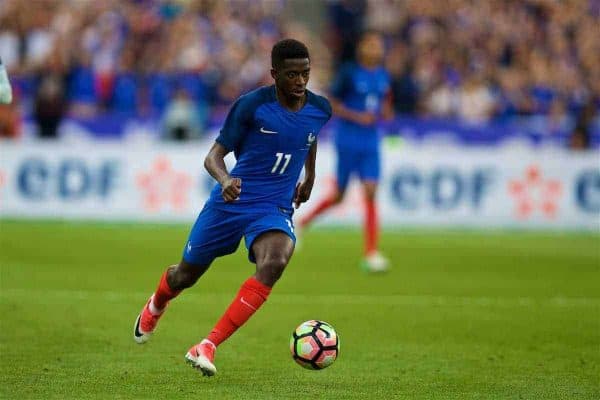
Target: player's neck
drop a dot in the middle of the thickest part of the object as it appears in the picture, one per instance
(291, 103)
(368, 66)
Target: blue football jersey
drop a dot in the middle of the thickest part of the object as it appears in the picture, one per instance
(270, 144)
(359, 89)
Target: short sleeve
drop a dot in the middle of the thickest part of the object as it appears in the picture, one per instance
(321, 103)
(236, 124)
(342, 82)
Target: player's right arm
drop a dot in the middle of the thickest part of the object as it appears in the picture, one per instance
(215, 165)
(360, 117)
(234, 130)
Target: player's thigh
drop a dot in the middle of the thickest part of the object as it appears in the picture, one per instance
(369, 166)
(215, 233)
(270, 237)
(346, 166)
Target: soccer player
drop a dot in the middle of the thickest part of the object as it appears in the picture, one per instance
(5, 90)
(360, 96)
(273, 133)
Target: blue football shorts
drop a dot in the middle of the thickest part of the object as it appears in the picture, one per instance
(217, 233)
(363, 162)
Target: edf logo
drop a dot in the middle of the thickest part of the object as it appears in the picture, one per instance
(67, 179)
(587, 191)
(443, 188)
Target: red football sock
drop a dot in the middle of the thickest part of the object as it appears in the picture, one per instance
(319, 209)
(251, 296)
(371, 226)
(164, 293)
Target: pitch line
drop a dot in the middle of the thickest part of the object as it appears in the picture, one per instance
(195, 296)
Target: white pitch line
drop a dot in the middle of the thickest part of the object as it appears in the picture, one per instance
(44, 295)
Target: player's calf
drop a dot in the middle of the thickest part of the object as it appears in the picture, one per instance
(146, 321)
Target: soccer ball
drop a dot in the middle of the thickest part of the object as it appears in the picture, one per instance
(315, 344)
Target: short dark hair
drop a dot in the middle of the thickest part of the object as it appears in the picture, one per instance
(287, 48)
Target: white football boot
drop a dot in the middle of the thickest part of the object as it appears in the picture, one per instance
(375, 262)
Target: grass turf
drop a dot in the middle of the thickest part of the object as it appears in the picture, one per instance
(463, 315)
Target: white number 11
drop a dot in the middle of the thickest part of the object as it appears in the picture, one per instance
(281, 156)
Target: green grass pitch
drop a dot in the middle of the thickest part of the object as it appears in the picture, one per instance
(462, 315)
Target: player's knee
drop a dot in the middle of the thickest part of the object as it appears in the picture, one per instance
(183, 278)
(370, 191)
(338, 197)
(370, 195)
(271, 269)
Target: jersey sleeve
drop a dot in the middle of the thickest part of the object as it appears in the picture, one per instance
(342, 82)
(236, 124)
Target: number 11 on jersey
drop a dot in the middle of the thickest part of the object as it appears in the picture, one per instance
(281, 156)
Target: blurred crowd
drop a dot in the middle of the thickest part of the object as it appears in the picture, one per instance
(472, 60)
(483, 60)
(142, 58)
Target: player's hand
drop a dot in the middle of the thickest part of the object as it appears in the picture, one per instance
(365, 118)
(303, 191)
(231, 189)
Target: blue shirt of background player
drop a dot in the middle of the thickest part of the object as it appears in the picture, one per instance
(359, 89)
(270, 144)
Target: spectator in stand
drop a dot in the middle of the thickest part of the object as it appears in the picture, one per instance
(515, 58)
(50, 100)
(126, 87)
(181, 120)
(580, 138)
(49, 106)
(346, 25)
(475, 101)
(81, 92)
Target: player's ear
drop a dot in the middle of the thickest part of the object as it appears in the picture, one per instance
(274, 73)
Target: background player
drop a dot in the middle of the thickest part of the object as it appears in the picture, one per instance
(360, 96)
(5, 89)
(273, 132)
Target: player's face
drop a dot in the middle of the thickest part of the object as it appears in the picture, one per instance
(371, 49)
(291, 78)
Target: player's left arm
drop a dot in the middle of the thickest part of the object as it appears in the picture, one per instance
(304, 188)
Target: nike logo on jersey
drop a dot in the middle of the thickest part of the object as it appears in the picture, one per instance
(189, 247)
(263, 130)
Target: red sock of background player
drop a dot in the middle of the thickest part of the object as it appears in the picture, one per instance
(163, 294)
(371, 227)
(251, 296)
(319, 209)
